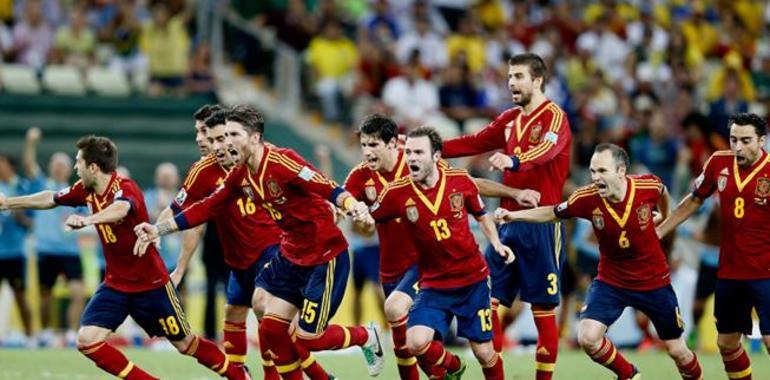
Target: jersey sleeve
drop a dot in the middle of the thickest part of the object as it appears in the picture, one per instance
(354, 184)
(74, 195)
(555, 141)
(307, 177)
(473, 202)
(204, 209)
(192, 189)
(490, 138)
(578, 205)
(386, 206)
(128, 192)
(706, 184)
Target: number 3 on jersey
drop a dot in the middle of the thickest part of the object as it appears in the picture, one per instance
(441, 229)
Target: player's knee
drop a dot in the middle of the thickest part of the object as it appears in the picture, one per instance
(728, 343)
(183, 344)
(236, 313)
(87, 336)
(396, 307)
(416, 343)
(678, 351)
(589, 339)
(258, 301)
(484, 352)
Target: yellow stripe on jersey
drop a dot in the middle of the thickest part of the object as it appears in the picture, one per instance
(196, 170)
(555, 126)
(582, 192)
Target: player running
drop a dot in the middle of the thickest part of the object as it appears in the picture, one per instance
(535, 139)
(742, 178)
(433, 203)
(135, 286)
(632, 266)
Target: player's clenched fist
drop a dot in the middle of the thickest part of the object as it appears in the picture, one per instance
(502, 215)
(500, 161)
(76, 221)
(528, 198)
(506, 252)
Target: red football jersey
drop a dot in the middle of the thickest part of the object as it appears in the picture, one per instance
(397, 252)
(437, 220)
(125, 272)
(630, 253)
(244, 230)
(293, 193)
(744, 252)
(540, 140)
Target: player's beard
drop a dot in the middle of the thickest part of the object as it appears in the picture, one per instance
(524, 98)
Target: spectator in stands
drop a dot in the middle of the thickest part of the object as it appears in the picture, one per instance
(32, 37)
(332, 58)
(122, 34)
(731, 102)
(51, 10)
(431, 46)
(6, 42)
(458, 97)
(761, 74)
(157, 199)
(74, 43)
(294, 26)
(655, 150)
(467, 45)
(165, 42)
(608, 49)
(13, 233)
(412, 99)
(699, 33)
(380, 25)
(200, 79)
(58, 252)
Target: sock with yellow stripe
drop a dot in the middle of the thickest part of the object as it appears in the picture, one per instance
(208, 354)
(737, 363)
(691, 370)
(434, 355)
(112, 361)
(407, 364)
(275, 331)
(547, 342)
(336, 337)
(309, 365)
(497, 329)
(236, 344)
(608, 356)
(493, 370)
(268, 367)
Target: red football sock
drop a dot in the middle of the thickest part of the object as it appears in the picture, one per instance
(434, 355)
(493, 370)
(268, 366)
(691, 370)
(547, 343)
(309, 365)
(208, 354)
(112, 361)
(336, 337)
(275, 331)
(497, 329)
(608, 356)
(235, 343)
(737, 364)
(407, 364)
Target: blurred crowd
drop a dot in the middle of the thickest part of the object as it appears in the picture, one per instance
(149, 41)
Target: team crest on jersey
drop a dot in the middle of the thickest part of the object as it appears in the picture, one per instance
(643, 214)
(722, 181)
(411, 210)
(763, 187)
(535, 133)
(275, 191)
(457, 204)
(598, 219)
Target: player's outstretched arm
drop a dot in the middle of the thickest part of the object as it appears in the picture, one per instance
(488, 229)
(190, 240)
(113, 213)
(543, 214)
(688, 206)
(524, 197)
(38, 201)
(167, 213)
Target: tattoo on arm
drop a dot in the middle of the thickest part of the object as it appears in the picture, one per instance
(165, 228)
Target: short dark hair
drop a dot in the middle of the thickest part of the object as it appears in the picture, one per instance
(747, 118)
(11, 160)
(205, 111)
(537, 68)
(100, 151)
(618, 154)
(249, 117)
(217, 118)
(379, 126)
(436, 144)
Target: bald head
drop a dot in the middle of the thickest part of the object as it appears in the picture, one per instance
(60, 167)
(167, 176)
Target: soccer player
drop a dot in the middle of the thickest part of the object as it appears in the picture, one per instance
(535, 139)
(741, 176)
(434, 202)
(57, 249)
(385, 162)
(632, 266)
(311, 270)
(13, 233)
(135, 286)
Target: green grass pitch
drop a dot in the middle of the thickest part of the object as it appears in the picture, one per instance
(572, 365)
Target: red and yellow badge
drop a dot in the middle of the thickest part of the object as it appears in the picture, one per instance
(643, 215)
(457, 203)
(598, 219)
(763, 187)
(411, 210)
(535, 134)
